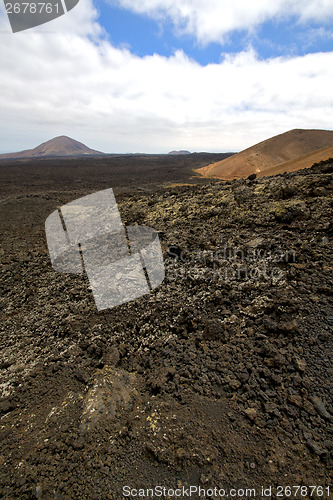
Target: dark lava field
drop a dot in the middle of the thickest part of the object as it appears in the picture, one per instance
(220, 378)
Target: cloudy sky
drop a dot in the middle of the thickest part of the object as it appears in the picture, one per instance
(156, 75)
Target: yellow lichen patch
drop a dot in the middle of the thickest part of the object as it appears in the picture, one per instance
(153, 421)
(259, 189)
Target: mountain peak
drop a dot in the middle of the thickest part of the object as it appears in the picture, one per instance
(61, 145)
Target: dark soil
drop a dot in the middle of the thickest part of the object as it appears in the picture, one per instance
(221, 377)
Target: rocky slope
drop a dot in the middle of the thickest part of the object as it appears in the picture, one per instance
(221, 377)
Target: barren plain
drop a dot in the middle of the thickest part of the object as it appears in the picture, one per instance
(219, 378)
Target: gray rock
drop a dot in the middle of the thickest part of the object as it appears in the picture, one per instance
(320, 407)
(316, 448)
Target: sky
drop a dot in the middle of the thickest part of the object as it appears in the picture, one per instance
(128, 76)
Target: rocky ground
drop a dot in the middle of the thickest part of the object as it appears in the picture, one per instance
(221, 377)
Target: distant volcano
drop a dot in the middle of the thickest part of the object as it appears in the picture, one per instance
(181, 152)
(59, 146)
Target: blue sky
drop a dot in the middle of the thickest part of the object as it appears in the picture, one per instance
(157, 75)
(146, 36)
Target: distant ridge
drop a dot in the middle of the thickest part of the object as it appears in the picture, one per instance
(59, 146)
(181, 152)
(290, 151)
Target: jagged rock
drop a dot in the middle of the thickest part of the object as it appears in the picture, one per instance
(251, 413)
(321, 409)
(300, 364)
(316, 448)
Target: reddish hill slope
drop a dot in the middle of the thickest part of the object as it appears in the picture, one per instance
(276, 151)
(305, 161)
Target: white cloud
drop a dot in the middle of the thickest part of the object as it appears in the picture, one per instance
(212, 20)
(73, 81)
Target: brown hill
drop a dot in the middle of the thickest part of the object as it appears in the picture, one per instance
(59, 146)
(305, 161)
(279, 151)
